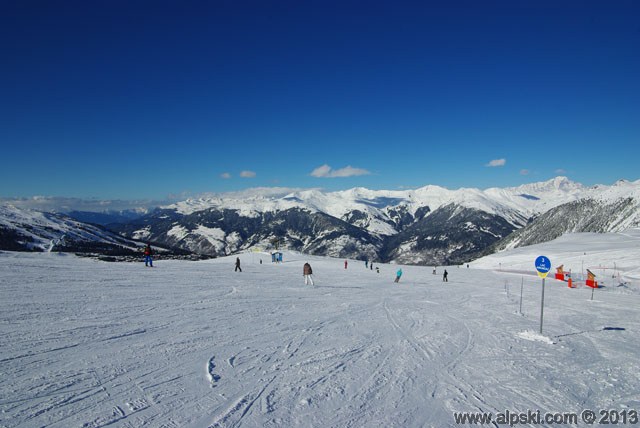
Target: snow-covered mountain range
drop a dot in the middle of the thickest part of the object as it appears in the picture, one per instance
(514, 203)
(429, 225)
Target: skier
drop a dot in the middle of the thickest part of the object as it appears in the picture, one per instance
(238, 268)
(444, 276)
(371, 265)
(377, 269)
(148, 252)
(345, 264)
(366, 264)
(398, 275)
(307, 272)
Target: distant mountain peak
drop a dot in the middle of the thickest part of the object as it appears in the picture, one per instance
(564, 183)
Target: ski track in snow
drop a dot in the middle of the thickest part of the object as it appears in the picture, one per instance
(93, 344)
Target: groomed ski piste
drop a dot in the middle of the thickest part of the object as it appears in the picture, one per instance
(85, 343)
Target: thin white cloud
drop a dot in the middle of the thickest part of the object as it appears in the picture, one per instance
(561, 171)
(325, 171)
(496, 162)
(225, 175)
(321, 171)
(525, 172)
(67, 204)
(247, 174)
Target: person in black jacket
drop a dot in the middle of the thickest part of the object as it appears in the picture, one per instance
(238, 268)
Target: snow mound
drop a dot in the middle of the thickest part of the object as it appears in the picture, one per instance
(535, 337)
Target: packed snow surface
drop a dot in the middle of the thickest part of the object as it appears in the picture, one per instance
(85, 343)
(606, 255)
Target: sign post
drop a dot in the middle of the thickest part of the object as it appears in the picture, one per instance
(521, 287)
(543, 266)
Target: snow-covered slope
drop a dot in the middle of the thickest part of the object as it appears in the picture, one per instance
(24, 229)
(613, 257)
(195, 344)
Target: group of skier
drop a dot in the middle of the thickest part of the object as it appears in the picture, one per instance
(307, 271)
(367, 264)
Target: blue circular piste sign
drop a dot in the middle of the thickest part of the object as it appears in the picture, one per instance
(543, 266)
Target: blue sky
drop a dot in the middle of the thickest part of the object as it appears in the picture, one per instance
(133, 99)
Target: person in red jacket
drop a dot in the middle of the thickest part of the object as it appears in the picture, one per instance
(148, 252)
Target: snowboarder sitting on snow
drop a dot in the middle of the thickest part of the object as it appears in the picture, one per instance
(398, 275)
(238, 268)
(148, 252)
(444, 276)
(307, 272)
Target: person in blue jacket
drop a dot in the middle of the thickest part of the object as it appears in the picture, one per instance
(398, 275)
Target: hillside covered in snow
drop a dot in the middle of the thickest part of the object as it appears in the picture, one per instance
(30, 230)
(194, 344)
